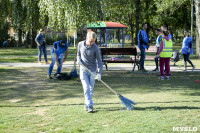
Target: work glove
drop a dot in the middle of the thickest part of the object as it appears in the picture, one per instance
(58, 64)
(79, 63)
(156, 56)
(98, 77)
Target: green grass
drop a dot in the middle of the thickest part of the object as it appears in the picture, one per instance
(31, 59)
(18, 51)
(26, 55)
(32, 103)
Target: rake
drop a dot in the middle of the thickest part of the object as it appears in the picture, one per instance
(127, 102)
(73, 72)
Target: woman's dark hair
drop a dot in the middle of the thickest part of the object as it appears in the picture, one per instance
(187, 30)
(158, 30)
(41, 30)
(62, 41)
(164, 30)
(143, 24)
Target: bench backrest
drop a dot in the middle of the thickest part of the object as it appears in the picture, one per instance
(151, 49)
(119, 51)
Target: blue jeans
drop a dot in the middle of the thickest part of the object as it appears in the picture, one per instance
(156, 60)
(88, 81)
(142, 58)
(53, 62)
(40, 50)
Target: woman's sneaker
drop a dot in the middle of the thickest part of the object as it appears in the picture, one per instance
(193, 68)
(90, 109)
(155, 70)
(86, 108)
(161, 78)
(49, 77)
(167, 77)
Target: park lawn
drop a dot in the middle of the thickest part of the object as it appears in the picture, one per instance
(27, 55)
(32, 103)
(180, 63)
(29, 59)
(25, 51)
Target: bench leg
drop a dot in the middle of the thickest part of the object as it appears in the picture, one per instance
(138, 67)
(106, 66)
(133, 68)
(105, 63)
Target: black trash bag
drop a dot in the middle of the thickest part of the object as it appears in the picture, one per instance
(61, 76)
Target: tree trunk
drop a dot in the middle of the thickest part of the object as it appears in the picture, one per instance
(197, 7)
(33, 36)
(137, 19)
(27, 39)
(147, 17)
(131, 26)
(185, 16)
(19, 43)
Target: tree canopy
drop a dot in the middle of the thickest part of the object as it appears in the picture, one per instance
(30, 15)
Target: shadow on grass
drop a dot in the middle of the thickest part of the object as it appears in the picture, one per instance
(103, 108)
(157, 108)
(30, 85)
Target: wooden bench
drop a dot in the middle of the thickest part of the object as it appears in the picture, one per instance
(119, 51)
(151, 49)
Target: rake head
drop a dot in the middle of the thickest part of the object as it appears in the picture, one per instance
(127, 102)
(73, 73)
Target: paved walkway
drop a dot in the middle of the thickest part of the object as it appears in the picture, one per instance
(111, 67)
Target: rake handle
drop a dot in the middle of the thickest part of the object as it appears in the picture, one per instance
(100, 80)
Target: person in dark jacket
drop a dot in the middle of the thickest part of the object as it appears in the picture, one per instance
(143, 44)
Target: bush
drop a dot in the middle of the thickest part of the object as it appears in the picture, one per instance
(53, 38)
(4, 34)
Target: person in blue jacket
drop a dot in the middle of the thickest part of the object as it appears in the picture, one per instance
(5, 43)
(187, 49)
(40, 40)
(143, 44)
(58, 50)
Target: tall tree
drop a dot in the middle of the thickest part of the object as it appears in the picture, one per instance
(18, 17)
(197, 7)
(5, 9)
(4, 14)
(137, 19)
(32, 19)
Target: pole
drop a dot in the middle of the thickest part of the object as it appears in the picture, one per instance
(100, 37)
(105, 38)
(74, 39)
(192, 18)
